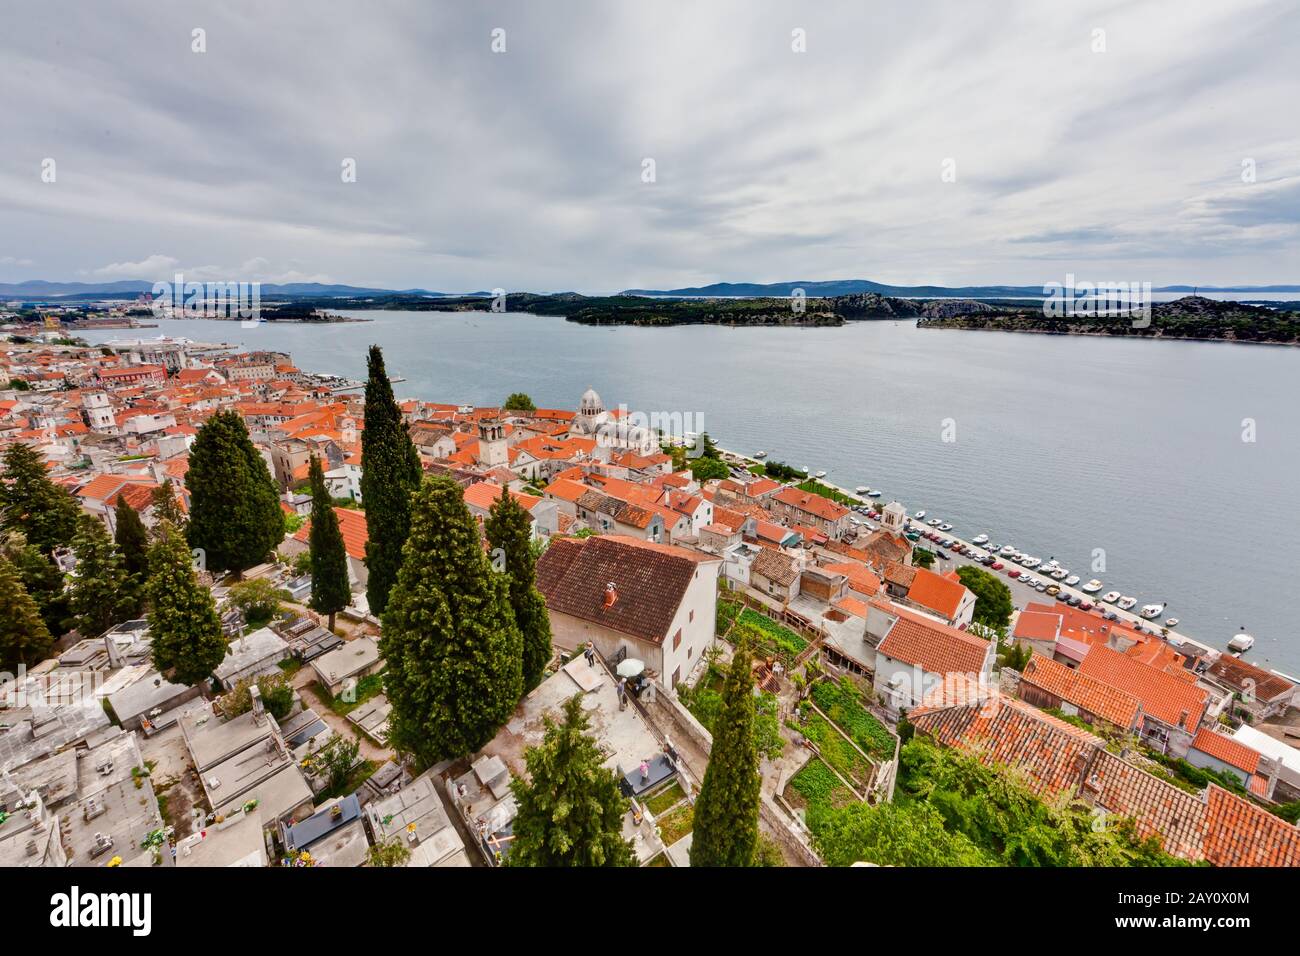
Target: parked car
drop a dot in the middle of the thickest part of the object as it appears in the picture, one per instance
(997, 565)
(942, 556)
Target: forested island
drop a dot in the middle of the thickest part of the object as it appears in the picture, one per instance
(1191, 317)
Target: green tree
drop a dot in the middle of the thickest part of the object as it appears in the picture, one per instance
(892, 834)
(102, 592)
(42, 579)
(388, 853)
(454, 655)
(24, 638)
(331, 591)
(335, 760)
(235, 514)
(992, 598)
(570, 807)
(183, 623)
(509, 533)
(166, 507)
(922, 558)
(30, 502)
(726, 813)
(390, 475)
(276, 692)
(258, 600)
(519, 402)
(704, 469)
(132, 538)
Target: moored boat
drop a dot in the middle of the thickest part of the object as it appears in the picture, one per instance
(862, 489)
(1171, 622)
(1110, 597)
(1093, 586)
(760, 454)
(1152, 611)
(980, 539)
(1241, 642)
(1126, 603)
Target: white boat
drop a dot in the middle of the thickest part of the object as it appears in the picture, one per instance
(945, 527)
(933, 522)
(1171, 622)
(1030, 562)
(1152, 611)
(919, 515)
(873, 494)
(1072, 580)
(820, 474)
(862, 489)
(804, 469)
(1110, 597)
(1126, 602)
(1060, 574)
(1007, 550)
(1093, 586)
(760, 454)
(980, 539)
(1241, 642)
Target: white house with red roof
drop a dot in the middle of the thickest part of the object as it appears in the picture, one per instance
(916, 653)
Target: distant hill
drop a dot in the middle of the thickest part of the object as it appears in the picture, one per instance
(836, 287)
(129, 288)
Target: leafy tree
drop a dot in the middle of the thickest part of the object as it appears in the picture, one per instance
(258, 600)
(509, 533)
(992, 598)
(388, 853)
(335, 760)
(922, 558)
(166, 507)
(132, 538)
(30, 502)
(519, 402)
(183, 623)
(892, 834)
(726, 813)
(454, 655)
(42, 579)
(102, 592)
(24, 638)
(390, 475)
(1015, 656)
(570, 807)
(331, 590)
(235, 514)
(704, 469)
(276, 692)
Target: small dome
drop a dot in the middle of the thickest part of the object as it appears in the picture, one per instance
(591, 401)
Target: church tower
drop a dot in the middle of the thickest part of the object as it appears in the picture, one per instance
(894, 519)
(492, 450)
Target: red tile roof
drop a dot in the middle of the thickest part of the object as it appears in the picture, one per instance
(930, 645)
(936, 592)
(1082, 691)
(651, 581)
(1163, 696)
(352, 524)
(1227, 749)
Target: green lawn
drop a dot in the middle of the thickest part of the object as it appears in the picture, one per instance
(781, 638)
(665, 799)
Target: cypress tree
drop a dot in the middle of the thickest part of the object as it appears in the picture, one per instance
(132, 538)
(509, 532)
(330, 588)
(453, 653)
(42, 579)
(102, 592)
(570, 808)
(390, 475)
(24, 638)
(166, 508)
(726, 813)
(235, 515)
(183, 623)
(31, 503)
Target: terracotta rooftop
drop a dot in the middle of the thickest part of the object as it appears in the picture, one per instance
(651, 580)
(1231, 751)
(1082, 691)
(933, 646)
(1163, 696)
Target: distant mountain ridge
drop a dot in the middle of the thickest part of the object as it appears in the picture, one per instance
(835, 287)
(42, 287)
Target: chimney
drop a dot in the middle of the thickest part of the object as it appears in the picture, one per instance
(255, 695)
(611, 595)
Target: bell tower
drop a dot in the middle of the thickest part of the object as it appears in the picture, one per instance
(492, 450)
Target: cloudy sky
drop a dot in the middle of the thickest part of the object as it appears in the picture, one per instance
(1113, 140)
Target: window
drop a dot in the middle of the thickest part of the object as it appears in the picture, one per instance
(691, 618)
(677, 638)
(677, 675)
